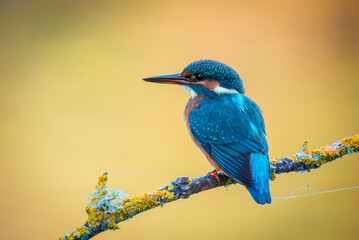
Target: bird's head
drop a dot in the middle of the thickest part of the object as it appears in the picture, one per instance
(204, 77)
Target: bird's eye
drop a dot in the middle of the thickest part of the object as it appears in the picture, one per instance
(199, 76)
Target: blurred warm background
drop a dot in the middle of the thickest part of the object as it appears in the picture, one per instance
(73, 106)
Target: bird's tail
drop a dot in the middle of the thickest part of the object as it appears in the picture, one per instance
(260, 170)
(261, 196)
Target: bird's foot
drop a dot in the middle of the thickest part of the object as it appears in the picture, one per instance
(214, 173)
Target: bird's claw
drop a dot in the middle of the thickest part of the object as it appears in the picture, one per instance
(214, 174)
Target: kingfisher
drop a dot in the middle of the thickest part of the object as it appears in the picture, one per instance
(226, 126)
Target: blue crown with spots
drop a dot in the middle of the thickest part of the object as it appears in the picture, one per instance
(218, 71)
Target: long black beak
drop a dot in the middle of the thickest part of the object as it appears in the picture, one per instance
(170, 79)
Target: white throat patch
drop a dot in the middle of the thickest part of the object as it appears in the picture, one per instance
(218, 90)
(189, 90)
(222, 90)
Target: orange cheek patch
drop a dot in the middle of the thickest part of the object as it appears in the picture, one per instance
(186, 74)
(209, 84)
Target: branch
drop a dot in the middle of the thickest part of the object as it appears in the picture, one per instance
(107, 208)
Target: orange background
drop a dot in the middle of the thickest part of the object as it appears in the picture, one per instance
(73, 106)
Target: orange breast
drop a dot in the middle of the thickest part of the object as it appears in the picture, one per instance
(193, 103)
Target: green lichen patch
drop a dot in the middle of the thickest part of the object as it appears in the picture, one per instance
(106, 200)
(229, 181)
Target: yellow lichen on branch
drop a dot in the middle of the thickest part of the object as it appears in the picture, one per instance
(315, 158)
(98, 219)
(107, 208)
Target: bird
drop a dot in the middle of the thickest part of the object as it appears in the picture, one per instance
(227, 126)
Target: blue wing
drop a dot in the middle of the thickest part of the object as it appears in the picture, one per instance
(230, 128)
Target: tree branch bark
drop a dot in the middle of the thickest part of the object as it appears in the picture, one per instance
(183, 187)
